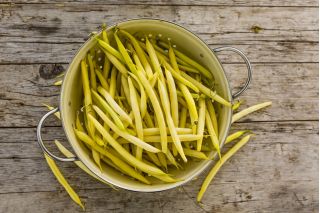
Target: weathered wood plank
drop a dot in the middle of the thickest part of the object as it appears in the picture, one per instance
(32, 34)
(290, 196)
(275, 158)
(232, 3)
(72, 23)
(24, 89)
(257, 52)
(281, 152)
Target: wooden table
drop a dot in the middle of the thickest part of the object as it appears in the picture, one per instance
(275, 172)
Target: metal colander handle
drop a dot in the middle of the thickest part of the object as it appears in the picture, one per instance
(249, 68)
(40, 141)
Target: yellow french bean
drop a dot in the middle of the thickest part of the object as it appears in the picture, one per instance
(213, 116)
(108, 109)
(213, 136)
(201, 122)
(190, 61)
(124, 153)
(195, 154)
(236, 135)
(156, 131)
(165, 100)
(173, 98)
(218, 165)
(59, 176)
(206, 90)
(139, 52)
(123, 115)
(158, 111)
(137, 116)
(125, 135)
(249, 110)
(102, 80)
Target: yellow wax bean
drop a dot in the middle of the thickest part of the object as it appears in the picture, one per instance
(154, 158)
(55, 170)
(173, 98)
(124, 153)
(124, 134)
(249, 110)
(153, 79)
(165, 100)
(123, 115)
(194, 95)
(156, 131)
(166, 178)
(57, 114)
(172, 160)
(116, 63)
(125, 54)
(58, 83)
(162, 157)
(137, 116)
(102, 80)
(78, 123)
(236, 135)
(191, 106)
(113, 82)
(148, 120)
(213, 116)
(104, 33)
(183, 80)
(108, 109)
(237, 104)
(110, 163)
(158, 111)
(93, 81)
(117, 161)
(143, 99)
(195, 154)
(206, 90)
(107, 64)
(201, 122)
(213, 136)
(187, 69)
(174, 150)
(96, 158)
(140, 53)
(87, 95)
(190, 61)
(108, 48)
(154, 59)
(157, 138)
(68, 154)
(125, 87)
(183, 117)
(185, 91)
(60, 75)
(218, 165)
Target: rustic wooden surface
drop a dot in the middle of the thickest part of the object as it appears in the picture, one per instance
(275, 172)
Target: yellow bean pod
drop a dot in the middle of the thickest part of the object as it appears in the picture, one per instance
(59, 176)
(249, 110)
(218, 165)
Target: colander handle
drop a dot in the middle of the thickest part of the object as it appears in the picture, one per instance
(249, 68)
(40, 141)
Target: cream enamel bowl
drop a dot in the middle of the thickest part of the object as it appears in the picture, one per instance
(186, 42)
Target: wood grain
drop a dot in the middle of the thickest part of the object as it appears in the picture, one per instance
(32, 34)
(24, 90)
(275, 172)
(232, 3)
(240, 185)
